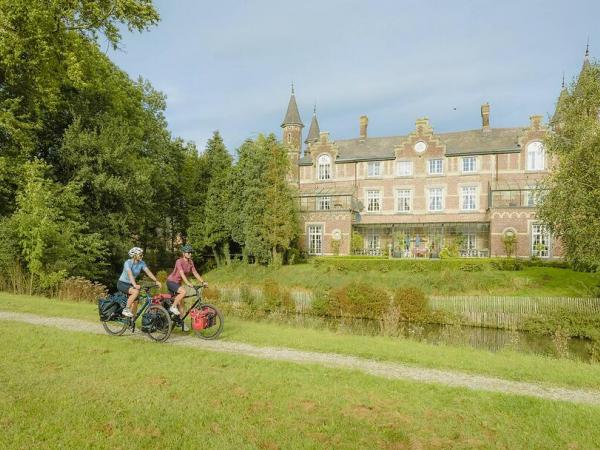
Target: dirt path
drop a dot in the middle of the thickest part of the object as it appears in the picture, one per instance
(381, 369)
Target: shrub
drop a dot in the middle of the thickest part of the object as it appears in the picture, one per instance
(359, 300)
(471, 267)
(412, 303)
(357, 242)
(276, 298)
(335, 247)
(507, 264)
(79, 289)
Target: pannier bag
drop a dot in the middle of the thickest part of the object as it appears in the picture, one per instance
(153, 321)
(202, 319)
(111, 306)
(164, 300)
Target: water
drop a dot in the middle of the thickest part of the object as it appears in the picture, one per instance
(490, 339)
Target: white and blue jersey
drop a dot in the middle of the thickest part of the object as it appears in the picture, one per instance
(135, 267)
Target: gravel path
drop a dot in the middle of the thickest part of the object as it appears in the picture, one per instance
(381, 369)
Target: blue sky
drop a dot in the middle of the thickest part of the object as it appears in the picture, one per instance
(228, 65)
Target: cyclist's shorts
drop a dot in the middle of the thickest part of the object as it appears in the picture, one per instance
(172, 286)
(123, 287)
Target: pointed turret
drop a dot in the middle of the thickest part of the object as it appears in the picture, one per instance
(292, 116)
(313, 131)
(586, 57)
(557, 117)
(292, 125)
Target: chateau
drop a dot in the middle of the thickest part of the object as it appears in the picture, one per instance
(421, 194)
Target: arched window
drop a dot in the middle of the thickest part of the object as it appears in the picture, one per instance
(535, 156)
(324, 167)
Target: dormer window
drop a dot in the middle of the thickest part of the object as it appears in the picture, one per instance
(324, 167)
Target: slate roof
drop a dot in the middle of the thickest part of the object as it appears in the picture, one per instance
(313, 131)
(292, 116)
(458, 143)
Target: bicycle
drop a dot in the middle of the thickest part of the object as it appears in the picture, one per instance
(205, 319)
(156, 321)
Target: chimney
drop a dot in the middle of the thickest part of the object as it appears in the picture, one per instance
(364, 122)
(485, 117)
(535, 122)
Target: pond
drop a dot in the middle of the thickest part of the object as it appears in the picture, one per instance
(491, 339)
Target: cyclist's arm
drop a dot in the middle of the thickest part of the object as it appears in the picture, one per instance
(197, 275)
(151, 275)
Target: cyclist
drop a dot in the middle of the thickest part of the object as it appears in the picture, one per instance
(184, 266)
(127, 284)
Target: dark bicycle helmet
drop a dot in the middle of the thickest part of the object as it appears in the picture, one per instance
(187, 248)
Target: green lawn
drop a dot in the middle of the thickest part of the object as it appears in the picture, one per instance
(508, 365)
(531, 281)
(72, 390)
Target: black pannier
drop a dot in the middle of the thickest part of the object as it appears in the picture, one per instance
(111, 306)
(151, 321)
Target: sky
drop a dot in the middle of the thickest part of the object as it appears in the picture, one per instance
(228, 65)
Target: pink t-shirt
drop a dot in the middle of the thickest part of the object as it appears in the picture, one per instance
(186, 265)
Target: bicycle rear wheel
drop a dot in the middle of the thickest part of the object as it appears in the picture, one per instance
(160, 328)
(116, 326)
(215, 328)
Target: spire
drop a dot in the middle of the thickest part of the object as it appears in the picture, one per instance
(292, 116)
(586, 57)
(563, 81)
(313, 131)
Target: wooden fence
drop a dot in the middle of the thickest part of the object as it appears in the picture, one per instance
(486, 311)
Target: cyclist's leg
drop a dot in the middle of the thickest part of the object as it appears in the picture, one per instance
(179, 299)
(132, 300)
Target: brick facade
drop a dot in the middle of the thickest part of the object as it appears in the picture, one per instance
(415, 195)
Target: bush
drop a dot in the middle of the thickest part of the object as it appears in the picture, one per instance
(507, 264)
(412, 303)
(360, 300)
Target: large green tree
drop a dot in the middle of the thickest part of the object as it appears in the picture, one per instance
(571, 198)
(210, 227)
(261, 211)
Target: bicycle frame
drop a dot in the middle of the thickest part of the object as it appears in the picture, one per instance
(198, 301)
(143, 307)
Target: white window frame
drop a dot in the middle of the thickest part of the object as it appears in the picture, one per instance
(470, 242)
(469, 164)
(433, 164)
(403, 200)
(314, 235)
(373, 200)
(540, 234)
(374, 169)
(536, 156)
(468, 198)
(440, 203)
(324, 203)
(407, 165)
(324, 167)
(372, 242)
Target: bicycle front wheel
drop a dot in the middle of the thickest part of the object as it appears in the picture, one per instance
(116, 326)
(160, 326)
(215, 323)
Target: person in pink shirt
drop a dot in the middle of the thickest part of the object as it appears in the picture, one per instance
(184, 266)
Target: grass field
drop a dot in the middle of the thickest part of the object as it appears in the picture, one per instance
(531, 281)
(508, 365)
(71, 390)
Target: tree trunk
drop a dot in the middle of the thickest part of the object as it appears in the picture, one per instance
(216, 255)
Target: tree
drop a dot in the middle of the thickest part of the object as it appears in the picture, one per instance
(210, 227)
(570, 195)
(53, 238)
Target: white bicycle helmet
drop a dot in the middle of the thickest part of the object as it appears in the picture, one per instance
(135, 251)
